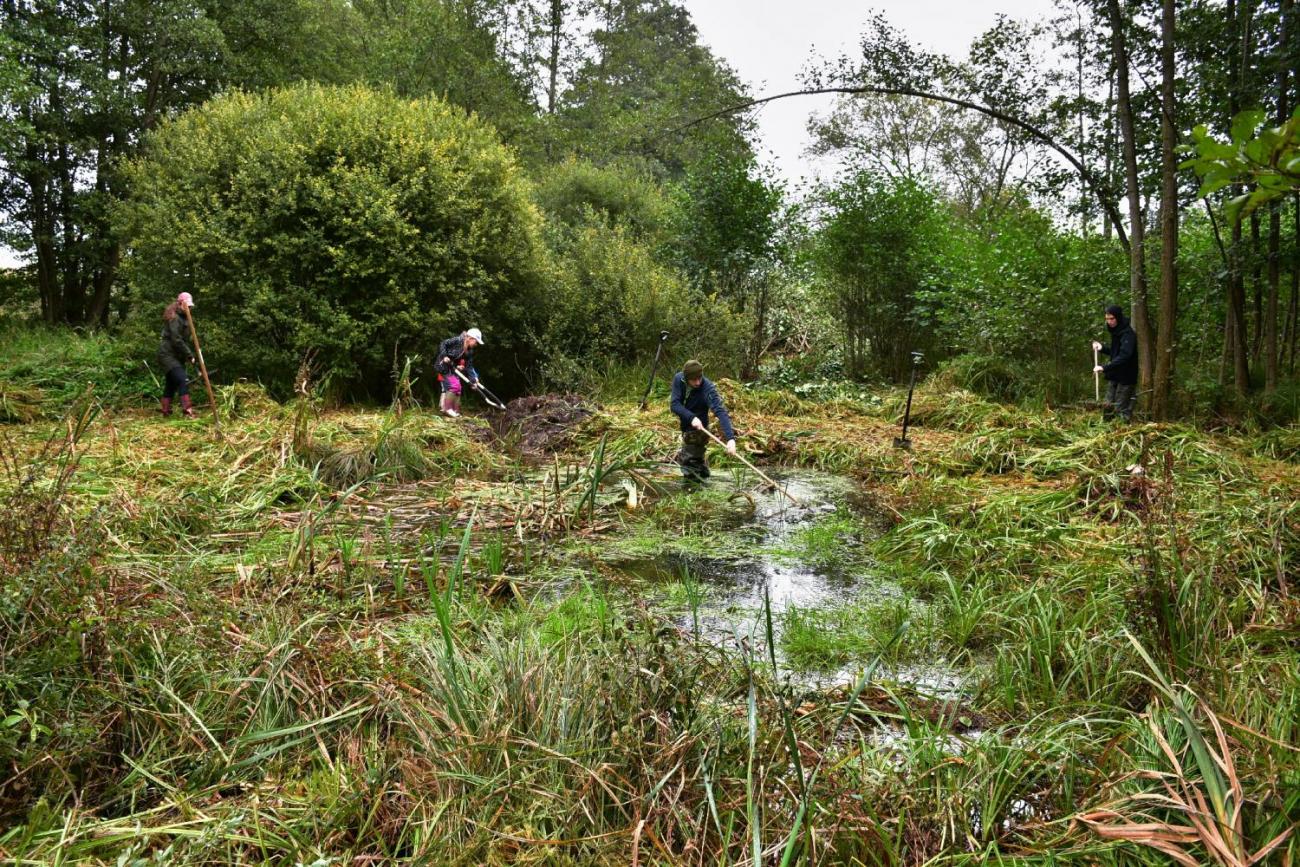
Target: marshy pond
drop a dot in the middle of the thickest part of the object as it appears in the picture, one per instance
(739, 566)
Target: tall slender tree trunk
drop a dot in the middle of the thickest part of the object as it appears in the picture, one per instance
(47, 272)
(108, 251)
(1167, 337)
(1235, 329)
(1293, 313)
(1109, 170)
(1257, 288)
(74, 298)
(1083, 148)
(555, 27)
(1236, 315)
(1271, 303)
(1137, 232)
(1275, 221)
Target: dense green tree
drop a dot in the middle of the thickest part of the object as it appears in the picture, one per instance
(96, 76)
(645, 78)
(726, 239)
(443, 48)
(970, 156)
(354, 225)
(875, 252)
(610, 289)
(577, 192)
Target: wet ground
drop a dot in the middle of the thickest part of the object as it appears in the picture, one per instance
(794, 557)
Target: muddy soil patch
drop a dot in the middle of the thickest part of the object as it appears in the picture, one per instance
(539, 424)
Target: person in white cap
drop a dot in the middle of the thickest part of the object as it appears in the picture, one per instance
(457, 354)
(173, 353)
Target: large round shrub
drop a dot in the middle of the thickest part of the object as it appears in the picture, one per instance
(340, 221)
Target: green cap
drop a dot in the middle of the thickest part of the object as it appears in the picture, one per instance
(692, 369)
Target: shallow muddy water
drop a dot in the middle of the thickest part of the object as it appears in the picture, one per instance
(806, 557)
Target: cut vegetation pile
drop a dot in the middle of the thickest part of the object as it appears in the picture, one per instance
(541, 424)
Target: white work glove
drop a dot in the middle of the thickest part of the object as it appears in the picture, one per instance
(697, 424)
(1098, 369)
(446, 360)
(1096, 347)
(731, 447)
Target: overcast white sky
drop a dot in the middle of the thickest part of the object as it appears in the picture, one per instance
(769, 42)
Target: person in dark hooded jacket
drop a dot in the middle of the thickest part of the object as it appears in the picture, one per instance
(173, 353)
(1121, 371)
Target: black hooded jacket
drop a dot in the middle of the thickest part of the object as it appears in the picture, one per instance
(1123, 365)
(173, 351)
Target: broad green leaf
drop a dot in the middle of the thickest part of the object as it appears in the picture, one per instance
(1245, 124)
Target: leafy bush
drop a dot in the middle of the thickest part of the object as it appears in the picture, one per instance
(610, 298)
(340, 220)
(609, 293)
(875, 253)
(576, 192)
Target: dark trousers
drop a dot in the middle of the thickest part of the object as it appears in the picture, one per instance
(1120, 398)
(691, 458)
(177, 383)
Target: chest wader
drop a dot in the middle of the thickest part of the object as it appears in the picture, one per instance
(691, 458)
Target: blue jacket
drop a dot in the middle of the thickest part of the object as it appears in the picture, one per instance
(689, 403)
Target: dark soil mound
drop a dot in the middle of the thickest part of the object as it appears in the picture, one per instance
(542, 423)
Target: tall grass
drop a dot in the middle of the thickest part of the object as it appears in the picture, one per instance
(234, 653)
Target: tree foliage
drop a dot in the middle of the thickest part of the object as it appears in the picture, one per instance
(875, 251)
(1267, 158)
(610, 289)
(646, 76)
(339, 221)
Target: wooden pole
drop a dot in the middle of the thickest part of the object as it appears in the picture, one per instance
(482, 392)
(1096, 377)
(203, 369)
(761, 474)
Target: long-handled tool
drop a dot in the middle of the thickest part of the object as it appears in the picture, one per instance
(1096, 375)
(203, 369)
(761, 474)
(488, 397)
(663, 338)
(903, 442)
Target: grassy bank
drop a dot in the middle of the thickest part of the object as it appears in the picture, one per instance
(352, 636)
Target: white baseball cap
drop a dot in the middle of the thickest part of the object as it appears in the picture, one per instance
(476, 334)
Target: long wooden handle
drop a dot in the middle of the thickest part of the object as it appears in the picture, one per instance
(495, 404)
(203, 369)
(763, 475)
(1096, 377)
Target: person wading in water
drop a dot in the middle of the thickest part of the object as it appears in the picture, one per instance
(693, 397)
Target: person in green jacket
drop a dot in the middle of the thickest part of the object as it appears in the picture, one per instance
(173, 353)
